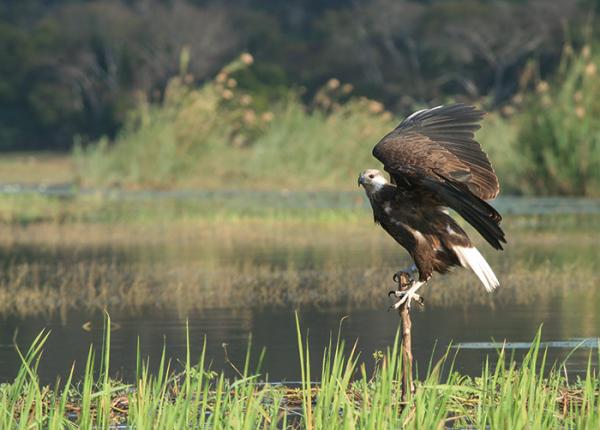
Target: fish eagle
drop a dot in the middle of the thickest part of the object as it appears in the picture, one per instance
(434, 164)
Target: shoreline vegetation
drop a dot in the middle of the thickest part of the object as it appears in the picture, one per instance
(218, 135)
(186, 254)
(530, 394)
(546, 141)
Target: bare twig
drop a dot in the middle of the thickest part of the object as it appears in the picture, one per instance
(228, 361)
(406, 326)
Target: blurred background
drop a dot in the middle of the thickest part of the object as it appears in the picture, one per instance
(196, 160)
(241, 93)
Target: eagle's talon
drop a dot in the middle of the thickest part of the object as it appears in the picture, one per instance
(407, 296)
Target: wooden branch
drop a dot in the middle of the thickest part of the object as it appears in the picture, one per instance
(408, 387)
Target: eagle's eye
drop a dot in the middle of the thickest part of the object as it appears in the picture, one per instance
(371, 176)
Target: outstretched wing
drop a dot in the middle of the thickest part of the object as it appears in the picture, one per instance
(433, 153)
(439, 142)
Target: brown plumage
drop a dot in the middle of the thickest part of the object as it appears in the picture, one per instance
(434, 163)
(440, 141)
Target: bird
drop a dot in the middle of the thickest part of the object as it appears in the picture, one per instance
(435, 164)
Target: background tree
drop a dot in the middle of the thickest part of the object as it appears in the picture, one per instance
(75, 67)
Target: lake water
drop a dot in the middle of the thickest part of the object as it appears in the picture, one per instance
(226, 279)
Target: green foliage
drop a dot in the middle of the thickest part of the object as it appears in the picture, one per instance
(220, 135)
(498, 138)
(559, 137)
(74, 67)
(253, 126)
(529, 394)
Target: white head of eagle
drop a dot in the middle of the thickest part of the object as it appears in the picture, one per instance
(372, 180)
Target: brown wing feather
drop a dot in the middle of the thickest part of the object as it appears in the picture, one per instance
(440, 141)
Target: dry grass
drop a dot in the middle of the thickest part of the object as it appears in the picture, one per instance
(36, 168)
(196, 264)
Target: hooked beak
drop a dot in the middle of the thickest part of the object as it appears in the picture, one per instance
(360, 180)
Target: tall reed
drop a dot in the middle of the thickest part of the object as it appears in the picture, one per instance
(528, 394)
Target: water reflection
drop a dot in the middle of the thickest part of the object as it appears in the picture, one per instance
(228, 280)
(274, 328)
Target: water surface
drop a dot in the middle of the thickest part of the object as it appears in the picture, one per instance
(227, 279)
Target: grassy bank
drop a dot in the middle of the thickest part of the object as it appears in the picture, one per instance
(36, 168)
(141, 252)
(545, 141)
(220, 136)
(71, 205)
(209, 137)
(532, 394)
(217, 136)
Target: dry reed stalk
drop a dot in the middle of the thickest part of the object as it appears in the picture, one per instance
(408, 386)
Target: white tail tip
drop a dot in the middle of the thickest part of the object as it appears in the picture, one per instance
(471, 258)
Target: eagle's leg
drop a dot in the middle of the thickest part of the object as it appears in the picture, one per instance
(410, 271)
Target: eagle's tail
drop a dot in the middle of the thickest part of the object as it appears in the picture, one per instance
(475, 211)
(471, 258)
